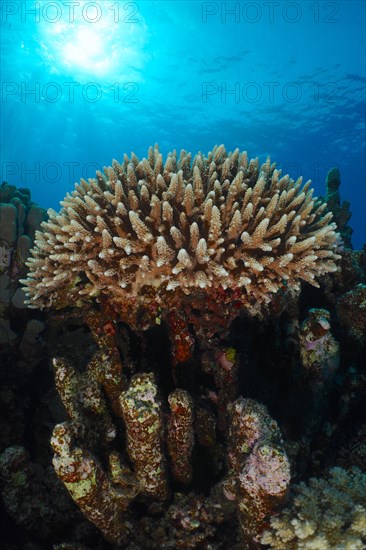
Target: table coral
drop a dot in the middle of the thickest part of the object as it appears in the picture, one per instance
(150, 235)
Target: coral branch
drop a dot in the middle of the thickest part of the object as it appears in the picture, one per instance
(180, 438)
(100, 501)
(142, 415)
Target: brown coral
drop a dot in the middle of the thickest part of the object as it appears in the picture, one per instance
(148, 233)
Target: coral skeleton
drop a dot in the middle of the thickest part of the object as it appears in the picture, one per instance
(148, 233)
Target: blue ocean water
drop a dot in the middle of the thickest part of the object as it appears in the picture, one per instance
(84, 82)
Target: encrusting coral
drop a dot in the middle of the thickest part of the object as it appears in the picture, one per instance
(327, 513)
(148, 234)
(259, 470)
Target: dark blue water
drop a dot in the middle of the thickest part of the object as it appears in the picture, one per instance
(84, 82)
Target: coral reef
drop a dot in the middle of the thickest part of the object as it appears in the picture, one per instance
(32, 499)
(258, 463)
(354, 450)
(329, 512)
(24, 493)
(152, 236)
(177, 415)
(20, 328)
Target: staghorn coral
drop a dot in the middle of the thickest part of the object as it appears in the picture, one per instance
(329, 512)
(151, 235)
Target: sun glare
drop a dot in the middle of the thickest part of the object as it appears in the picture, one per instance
(87, 50)
(94, 43)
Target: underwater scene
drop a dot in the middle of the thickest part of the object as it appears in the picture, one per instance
(183, 275)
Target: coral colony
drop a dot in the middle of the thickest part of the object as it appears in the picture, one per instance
(205, 320)
(151, 234)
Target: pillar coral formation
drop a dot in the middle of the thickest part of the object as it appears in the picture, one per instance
(258, 466)
(101, 501)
